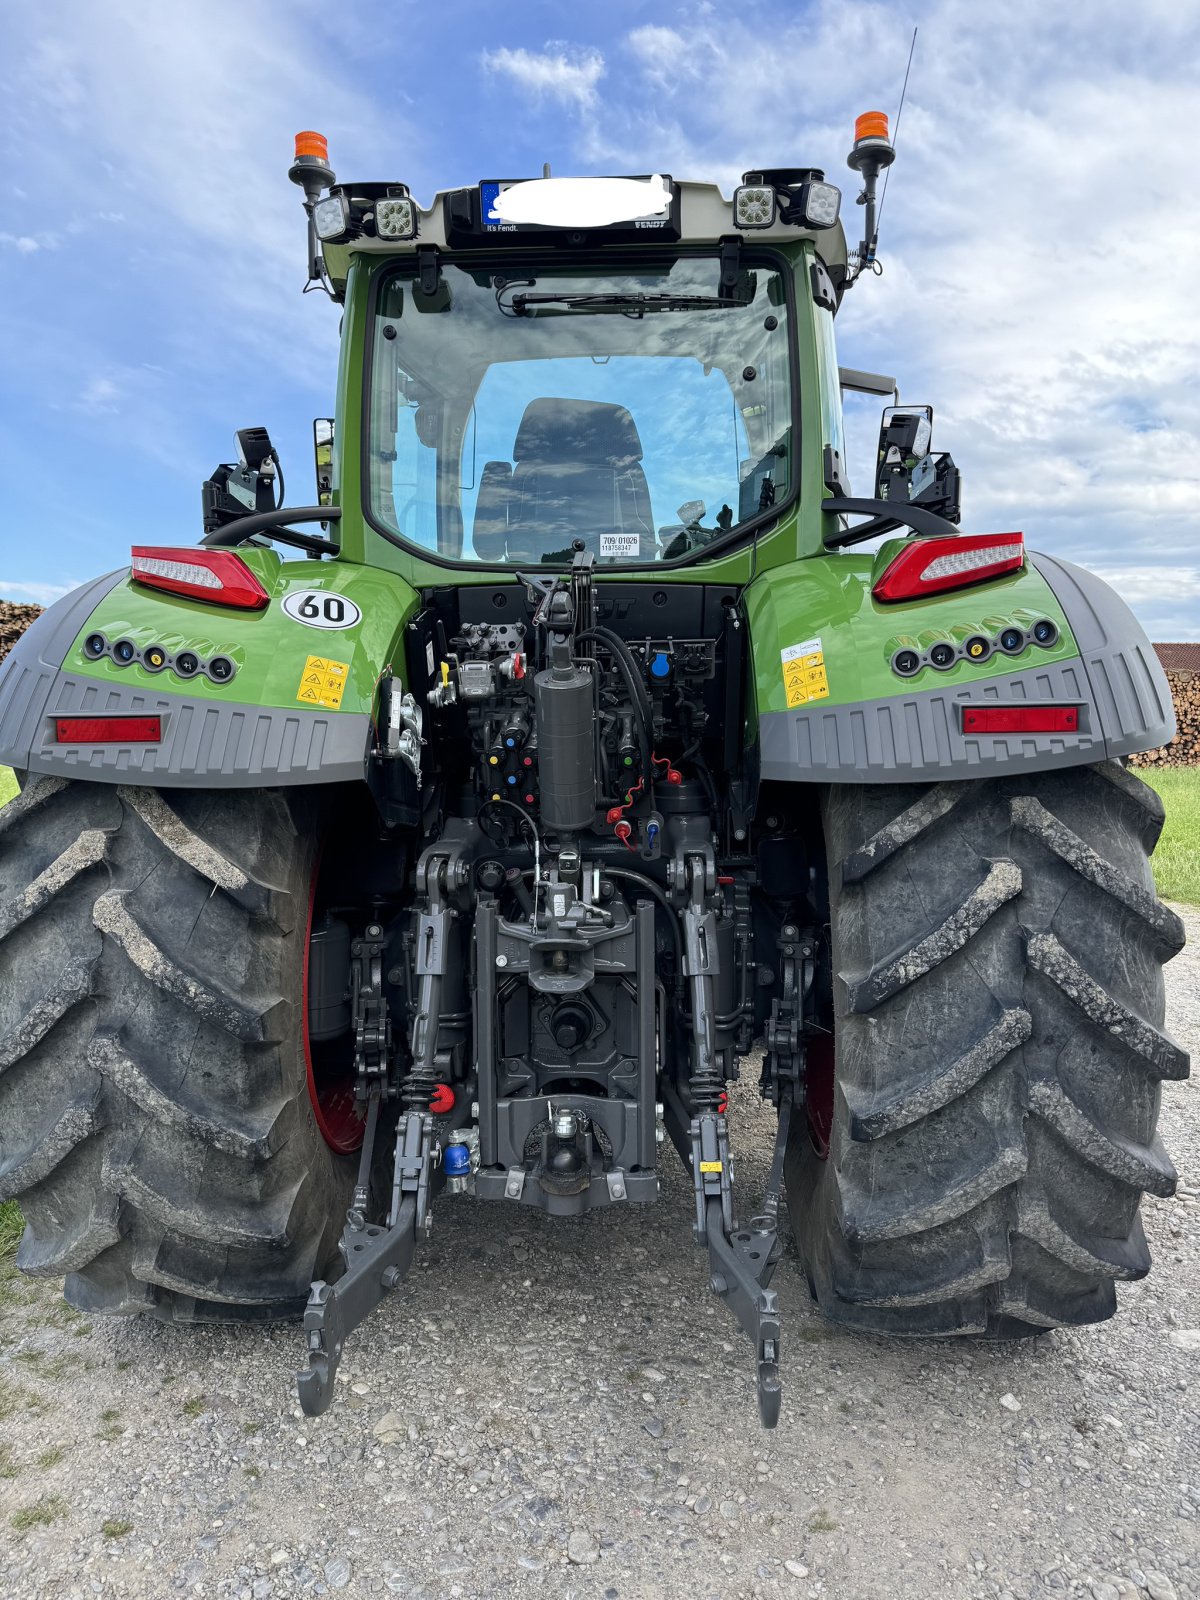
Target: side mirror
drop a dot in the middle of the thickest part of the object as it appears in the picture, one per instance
(907, 468)
(242, 487)
(905, 435)
(323, 456)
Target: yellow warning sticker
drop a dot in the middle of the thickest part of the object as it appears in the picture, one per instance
(323, 682)
(804, 676)
(710, 1166)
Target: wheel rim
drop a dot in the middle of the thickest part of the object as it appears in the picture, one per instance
(818, 1092)
(330, 1071)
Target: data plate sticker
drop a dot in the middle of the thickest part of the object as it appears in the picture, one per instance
(318, 608)
(804, 673)
(323, 682)
(620, 544)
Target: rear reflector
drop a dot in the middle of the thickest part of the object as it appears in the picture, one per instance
(217, 576)
(108, 730)
(1020, 719)
(929, 566)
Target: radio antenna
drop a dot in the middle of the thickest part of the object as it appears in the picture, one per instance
(896, 127)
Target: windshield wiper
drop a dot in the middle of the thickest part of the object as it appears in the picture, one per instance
(629, 305)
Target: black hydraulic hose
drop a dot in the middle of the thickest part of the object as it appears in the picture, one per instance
(618, 646)
(648, 884)
(627, 667)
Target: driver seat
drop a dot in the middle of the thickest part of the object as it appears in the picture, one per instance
(577, 475)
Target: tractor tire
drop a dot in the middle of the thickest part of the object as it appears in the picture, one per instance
(155, 1120)
(974, 1161)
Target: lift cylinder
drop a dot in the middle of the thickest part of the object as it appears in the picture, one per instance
(566, 748)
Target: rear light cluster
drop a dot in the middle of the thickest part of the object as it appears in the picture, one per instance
(108, 730)
(157, 658)
(931, 566)
(1013, 639)
(218, 577)
(1020, 719)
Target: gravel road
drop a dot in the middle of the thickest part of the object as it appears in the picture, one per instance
(562, 1409)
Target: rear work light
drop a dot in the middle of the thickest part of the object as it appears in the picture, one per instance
(929, 566)
(216, 576)
(1020, 719)
(108, 730)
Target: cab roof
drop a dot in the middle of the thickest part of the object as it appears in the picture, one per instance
(454, 224)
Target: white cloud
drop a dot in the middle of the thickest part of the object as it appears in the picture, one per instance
(25, 244)
(188, 143)
(1139, 585)
(1038, 258)
(558, 73)
(100, 394)
(38, 594)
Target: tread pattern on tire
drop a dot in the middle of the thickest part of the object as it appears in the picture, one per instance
(154, 1115)
(998, 948)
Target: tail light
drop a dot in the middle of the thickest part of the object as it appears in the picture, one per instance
(108, 730)
(216, 576)
(929, 566)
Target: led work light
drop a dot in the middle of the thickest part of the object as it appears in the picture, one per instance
(395, 217)
(819, 204)
(331, 217)
(754, 205)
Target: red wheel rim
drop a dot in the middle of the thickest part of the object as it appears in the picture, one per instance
(818, 1089)
(332, 1097)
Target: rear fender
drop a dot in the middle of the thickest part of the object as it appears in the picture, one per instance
(832, 708)
(297, 708)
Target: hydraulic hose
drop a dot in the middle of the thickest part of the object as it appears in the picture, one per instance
(641, 881)
(627, 667)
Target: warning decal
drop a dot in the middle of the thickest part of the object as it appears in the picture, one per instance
(804, 673)
(322, 683)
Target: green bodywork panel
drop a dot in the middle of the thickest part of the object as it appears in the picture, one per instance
(268, 648)
(829, 599)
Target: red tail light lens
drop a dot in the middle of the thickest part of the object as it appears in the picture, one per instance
(1020, 719)
(216, 576)
(929, 566)
(108, 730)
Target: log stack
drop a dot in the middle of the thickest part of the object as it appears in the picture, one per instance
(1184, 748)
(14, 619)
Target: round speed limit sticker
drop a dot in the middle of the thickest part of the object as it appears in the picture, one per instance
(317, 608)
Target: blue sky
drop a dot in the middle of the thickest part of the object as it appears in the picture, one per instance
(1039, 241)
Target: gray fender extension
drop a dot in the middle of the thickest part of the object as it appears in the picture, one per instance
(205, 743)
(1117, 681)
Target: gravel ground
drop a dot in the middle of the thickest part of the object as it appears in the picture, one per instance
(562, 1409)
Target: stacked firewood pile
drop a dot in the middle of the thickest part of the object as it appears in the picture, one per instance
(1184, 748)
(14, 619)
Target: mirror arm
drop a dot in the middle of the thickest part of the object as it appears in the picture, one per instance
(885, 516)
(275, 523)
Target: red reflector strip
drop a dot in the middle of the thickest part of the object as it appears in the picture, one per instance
(1020, 719)
(108, 730)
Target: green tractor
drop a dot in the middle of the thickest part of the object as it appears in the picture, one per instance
(454, 838)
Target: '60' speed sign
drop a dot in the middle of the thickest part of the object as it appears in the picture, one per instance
(318, 608)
